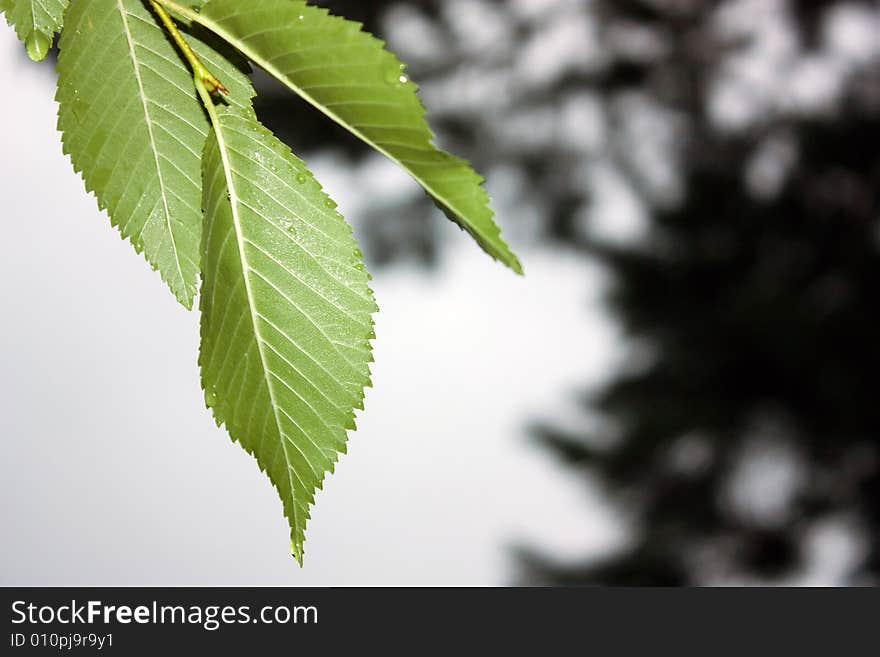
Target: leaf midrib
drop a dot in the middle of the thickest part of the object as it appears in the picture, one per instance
(246, 268)
(269, 68)
(123, 13)
(33, 18)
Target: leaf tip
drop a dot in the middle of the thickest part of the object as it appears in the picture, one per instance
(297, 551)
(516, 266)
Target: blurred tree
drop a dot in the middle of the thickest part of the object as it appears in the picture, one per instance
(750, 422)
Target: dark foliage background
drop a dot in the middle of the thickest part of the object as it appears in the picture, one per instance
(745, 135)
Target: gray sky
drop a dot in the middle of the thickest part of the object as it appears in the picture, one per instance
(114, 473)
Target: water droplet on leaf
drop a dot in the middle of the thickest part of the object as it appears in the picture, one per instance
(394, 74)
(37, 45)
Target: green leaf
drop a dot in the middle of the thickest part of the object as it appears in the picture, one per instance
(36, 23)
(349, 76)
(134, 126)
(286, 311)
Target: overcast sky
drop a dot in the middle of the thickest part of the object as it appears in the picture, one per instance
(114, 473)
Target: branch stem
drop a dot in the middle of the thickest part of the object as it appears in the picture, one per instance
(205, 80)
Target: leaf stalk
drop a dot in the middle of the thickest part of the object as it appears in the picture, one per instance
(205, 80)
